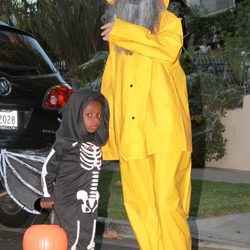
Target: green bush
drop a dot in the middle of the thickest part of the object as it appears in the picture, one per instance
(233, 49)
(88, 74)
(209, 98)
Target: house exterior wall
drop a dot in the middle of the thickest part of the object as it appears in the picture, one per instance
(210, 6)
(237, 133)
(193, 2)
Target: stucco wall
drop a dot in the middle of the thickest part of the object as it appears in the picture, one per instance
(210, 6)
(237, 133)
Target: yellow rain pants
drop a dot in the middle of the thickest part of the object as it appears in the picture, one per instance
(157, 196)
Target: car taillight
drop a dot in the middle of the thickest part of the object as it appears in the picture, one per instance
(57, 97)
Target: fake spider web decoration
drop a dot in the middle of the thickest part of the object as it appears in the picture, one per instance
(20, 174)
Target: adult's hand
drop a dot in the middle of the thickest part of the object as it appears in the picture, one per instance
(47, 204)
(107, 29)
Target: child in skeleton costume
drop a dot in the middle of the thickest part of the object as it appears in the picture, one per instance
(150, 129)
(71, 171)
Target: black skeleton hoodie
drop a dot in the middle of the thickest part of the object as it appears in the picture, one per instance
(70, 173)
(72, 128)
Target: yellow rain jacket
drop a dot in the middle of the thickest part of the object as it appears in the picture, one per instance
(146, 90)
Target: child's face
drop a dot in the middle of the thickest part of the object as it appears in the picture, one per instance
(92, 116)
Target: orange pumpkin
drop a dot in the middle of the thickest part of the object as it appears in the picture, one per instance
(45, 237)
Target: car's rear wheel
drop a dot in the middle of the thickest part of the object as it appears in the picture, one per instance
(11, 215)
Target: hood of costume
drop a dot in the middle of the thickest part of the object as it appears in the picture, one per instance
(145, 86)
(72, 128)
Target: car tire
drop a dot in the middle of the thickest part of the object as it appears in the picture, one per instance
(13, 216)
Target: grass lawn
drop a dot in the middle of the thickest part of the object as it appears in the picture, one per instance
(209, 198)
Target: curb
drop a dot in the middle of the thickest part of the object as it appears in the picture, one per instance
(121, 227)
(123, 230)
(209, 242)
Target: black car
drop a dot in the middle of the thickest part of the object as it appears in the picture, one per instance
(32, 92)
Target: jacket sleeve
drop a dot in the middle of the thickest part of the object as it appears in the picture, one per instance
(49, 173)
(164, 46)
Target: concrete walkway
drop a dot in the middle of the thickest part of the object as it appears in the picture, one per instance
(229, 232)
(225, 232)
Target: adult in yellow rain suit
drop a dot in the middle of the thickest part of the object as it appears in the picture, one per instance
(150, 131)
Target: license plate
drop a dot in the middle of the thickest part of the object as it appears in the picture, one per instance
(8, 119)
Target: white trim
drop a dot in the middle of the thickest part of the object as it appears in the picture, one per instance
(91, 245)
(77, 236)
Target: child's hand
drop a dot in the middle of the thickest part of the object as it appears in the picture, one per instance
(107, 29)
(47, 204)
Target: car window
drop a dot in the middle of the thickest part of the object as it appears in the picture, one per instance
(21, 55)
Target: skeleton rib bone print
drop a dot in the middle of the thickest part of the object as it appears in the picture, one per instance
(90, 156)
